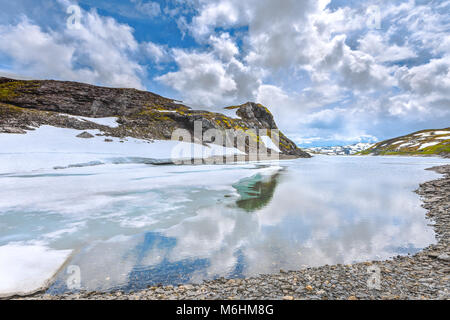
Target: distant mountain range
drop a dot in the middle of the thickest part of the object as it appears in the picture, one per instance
(422, 143)
(340, 150)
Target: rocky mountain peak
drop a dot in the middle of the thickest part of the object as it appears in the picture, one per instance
(257, 114)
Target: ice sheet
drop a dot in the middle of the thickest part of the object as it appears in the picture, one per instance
(27, 268)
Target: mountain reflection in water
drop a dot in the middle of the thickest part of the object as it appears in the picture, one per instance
(256, 192)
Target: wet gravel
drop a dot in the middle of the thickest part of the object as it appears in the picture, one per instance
(425, 275)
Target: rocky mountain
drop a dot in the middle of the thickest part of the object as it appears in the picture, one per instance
(339, 150)
(27, 104)
(422, 143)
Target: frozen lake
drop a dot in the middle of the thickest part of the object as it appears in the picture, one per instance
(127, 224)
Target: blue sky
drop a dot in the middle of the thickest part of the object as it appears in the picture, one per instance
(332, 71)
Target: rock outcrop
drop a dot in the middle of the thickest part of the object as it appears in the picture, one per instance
(85, 135)
(140, 114)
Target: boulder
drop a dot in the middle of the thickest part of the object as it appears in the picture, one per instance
(85, 135)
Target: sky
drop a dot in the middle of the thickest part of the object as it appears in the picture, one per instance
(332, 72)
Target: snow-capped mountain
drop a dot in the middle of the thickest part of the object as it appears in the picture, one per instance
(340, 150)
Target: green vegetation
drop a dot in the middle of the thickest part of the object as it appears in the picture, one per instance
(232, 107)
(9, 90)
(7, 109)
(414, 144)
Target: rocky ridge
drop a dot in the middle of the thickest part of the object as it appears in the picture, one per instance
(421, 143)
(27, 104)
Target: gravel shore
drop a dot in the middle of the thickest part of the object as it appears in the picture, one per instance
(425, 275)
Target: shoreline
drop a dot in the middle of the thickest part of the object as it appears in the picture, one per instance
(424, 275)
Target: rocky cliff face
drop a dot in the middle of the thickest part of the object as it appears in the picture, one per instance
(144, 115)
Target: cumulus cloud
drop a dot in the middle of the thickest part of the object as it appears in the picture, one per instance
(213, 78)
(223, 46)
(356, 76)
(156, 52)
(201, 78)
(100, 51)
(378, 47)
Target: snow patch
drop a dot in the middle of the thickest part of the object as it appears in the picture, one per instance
(441, 132)
(429, 144)
(27, 268)
(59, 147)
(424, 134)
(108, 122)
(269, 143)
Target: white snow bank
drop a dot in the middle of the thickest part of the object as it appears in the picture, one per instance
(27, 268)
(269, 143)
(51, 147)
(429, 144)
(441, 132)
(424, 134)
(109, 122)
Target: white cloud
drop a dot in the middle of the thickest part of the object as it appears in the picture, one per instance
(31, 47)
(433, 77)
(100, 52)
(213, 78)
(223, 46)
(201, 78)
(150, 8)
(217, 14)
(375, 45)
(157, 53)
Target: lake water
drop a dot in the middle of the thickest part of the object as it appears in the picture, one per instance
(129, 224)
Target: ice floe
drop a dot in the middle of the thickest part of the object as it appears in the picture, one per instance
(27, 268)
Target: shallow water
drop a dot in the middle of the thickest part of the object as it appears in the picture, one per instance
(131, 224)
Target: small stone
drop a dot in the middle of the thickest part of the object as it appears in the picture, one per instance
(320, 292)
(444, 257)
(309, 288)
(288, 298)
(352, 298)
